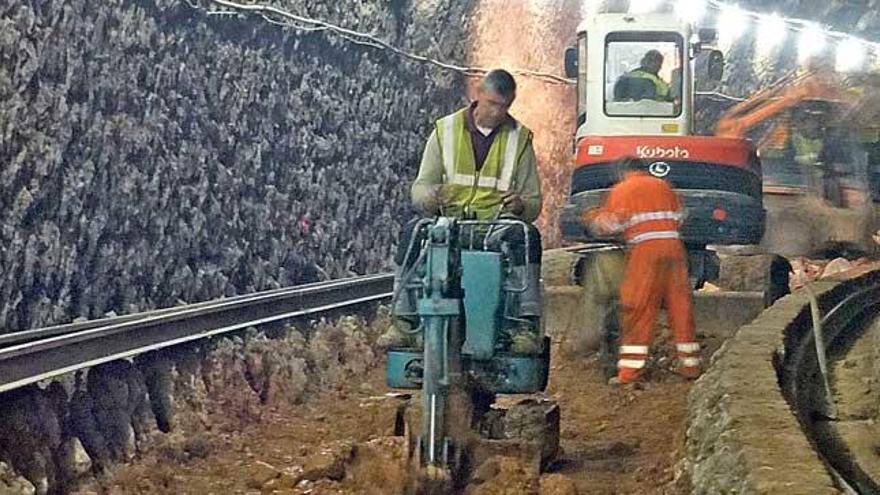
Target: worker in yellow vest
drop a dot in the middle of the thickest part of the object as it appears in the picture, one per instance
(479, 162)
(649, 69)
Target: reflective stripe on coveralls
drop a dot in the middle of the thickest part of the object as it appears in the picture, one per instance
(648, 211)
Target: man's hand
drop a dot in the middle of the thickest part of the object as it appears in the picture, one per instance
(439, 197)
(600, 222)
(606, 224)
(513, 203)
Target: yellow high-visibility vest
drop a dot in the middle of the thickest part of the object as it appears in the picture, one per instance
(806, 150)
(478, 192)
(661, 88)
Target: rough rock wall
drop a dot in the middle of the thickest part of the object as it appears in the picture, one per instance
(151, 154)
(57, 436)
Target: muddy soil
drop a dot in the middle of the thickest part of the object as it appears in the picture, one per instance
(613, 440)
(619, 440)
(339, 441)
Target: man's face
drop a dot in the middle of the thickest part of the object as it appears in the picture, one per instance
(491, 108)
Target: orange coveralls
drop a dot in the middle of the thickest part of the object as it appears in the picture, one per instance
(648, 213)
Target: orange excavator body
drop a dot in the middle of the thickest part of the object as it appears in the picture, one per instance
(799, 222)
(781, 96)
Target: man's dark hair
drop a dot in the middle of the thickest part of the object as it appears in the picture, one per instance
(652, 56)
(632, 163)
(499, 81)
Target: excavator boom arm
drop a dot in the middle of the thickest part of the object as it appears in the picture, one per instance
(783, 95)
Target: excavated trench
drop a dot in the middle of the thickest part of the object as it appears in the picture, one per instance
(839, 420)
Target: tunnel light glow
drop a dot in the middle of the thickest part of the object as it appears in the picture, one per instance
(643, 6)
(691, 11)
(732, 23)
(771, 32)
(590, 8)
(851, 54)
(811, 42)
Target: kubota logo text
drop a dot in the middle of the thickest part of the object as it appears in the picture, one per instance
(661, 152)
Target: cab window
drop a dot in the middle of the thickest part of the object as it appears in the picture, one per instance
(643, 74)
(582, 80)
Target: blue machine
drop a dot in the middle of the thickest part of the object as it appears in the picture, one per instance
(466, 311)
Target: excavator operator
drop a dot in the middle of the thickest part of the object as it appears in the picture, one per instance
(479, 163)
(644, 82)
(818, 149)
(807, 135)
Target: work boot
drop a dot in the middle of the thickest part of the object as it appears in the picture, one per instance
(398, 334)
(688, 372)
(627, 376)
(524, 340)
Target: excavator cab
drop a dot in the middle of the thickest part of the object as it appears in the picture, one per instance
(791, 146)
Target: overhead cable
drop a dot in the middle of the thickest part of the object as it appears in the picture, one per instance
(284, 18)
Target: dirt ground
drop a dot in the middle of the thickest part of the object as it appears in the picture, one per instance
(613, 441)
(619, 441)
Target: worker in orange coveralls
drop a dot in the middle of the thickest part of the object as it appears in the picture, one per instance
(648, 213)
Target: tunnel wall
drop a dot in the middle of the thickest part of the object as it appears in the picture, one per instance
(153, 154)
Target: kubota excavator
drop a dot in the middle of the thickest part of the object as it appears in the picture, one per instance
(718, 178)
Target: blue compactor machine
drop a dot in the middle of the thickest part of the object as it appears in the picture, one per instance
(463, 299)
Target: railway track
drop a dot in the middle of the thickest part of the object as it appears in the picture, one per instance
(32, 356)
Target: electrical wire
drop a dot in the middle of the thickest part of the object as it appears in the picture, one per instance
(280, 17)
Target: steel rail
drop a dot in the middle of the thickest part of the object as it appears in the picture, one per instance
(33, 355)
(20, 337)
(55, 353)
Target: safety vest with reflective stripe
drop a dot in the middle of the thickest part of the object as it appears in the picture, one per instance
(642, 207)
(806, 150)
(661, 87)
(469, 189)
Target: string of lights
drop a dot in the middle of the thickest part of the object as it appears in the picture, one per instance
(771, 30)
(731, 22)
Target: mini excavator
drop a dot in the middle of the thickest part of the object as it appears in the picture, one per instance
(465, 299)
